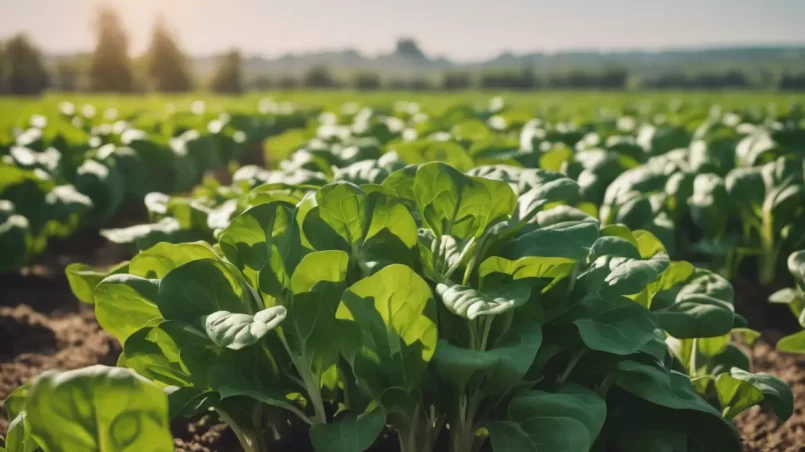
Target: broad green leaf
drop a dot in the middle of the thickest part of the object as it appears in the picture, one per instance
(348, 434)
(775, 392)
(736, 395)
(263, 242)
(310, 326)
(158, 351)
(617, 275)
(499, 368)
(235, 330)
(189, 402)
(145, 235)
(660, 386)
(14, 404)
(571, 240)
(98, 408)
(83, 279)
(126, 303)
(794, 343)
(470, 303)
(701, 307)
(568, 419)
(613, 325)
(457, 205)
(201, 287)
(426, 151)
(648, 244)
(496, 270)
(157, 261)
(394, 314)
(18, 437)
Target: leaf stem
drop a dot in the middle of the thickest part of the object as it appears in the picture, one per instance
(311, 387)
(571, 365)
(247, 440)
(692, 362)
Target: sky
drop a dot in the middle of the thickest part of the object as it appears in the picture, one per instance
(463, 30)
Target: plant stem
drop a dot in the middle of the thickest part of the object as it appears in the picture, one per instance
(693, 352)
(605, 385)
(571, 365)
(487, 325)
(248, 441)
(310, 386)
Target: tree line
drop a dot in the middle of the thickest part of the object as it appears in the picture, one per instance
(165, 68)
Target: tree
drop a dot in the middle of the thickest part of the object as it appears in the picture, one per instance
(262, 82)
(319, 77)
(228, 77)
(456, 80)
(110, 69)
(26, 75)
(288, 82)
(367, 81)
(3, 68)
(167, 65)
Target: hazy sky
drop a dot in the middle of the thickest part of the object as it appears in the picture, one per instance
(460, 29)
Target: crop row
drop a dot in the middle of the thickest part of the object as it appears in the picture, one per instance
(450, 281)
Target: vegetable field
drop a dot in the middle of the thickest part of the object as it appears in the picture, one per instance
(343, 272)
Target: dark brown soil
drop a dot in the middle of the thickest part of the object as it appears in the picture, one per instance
(33, 343)
(207, 434)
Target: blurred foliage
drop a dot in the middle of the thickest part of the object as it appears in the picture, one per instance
(110, 69)
(167, 65)
(228, 77)
(26, 74)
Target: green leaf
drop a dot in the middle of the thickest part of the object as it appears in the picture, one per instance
(318, 284)
(492, 270)
(701, 307)
(145, 235)
(661, 387)
(189, 402)
(202, 287)
(736, 395)
(15, 241)
(794, 343)
(613, 325)
(775, 392)
(263, 242)
(536, 421)
(157, 261)
(98, 408)
(158, 351)
(14, 404)
(18, 437)
(394, 315)
(571, 240)
(236, 331)
(457, 205)
(499, 368)
(470, 303)
(348, 434)
(796, 265)
(83, 279)
(126, 303)
(425, 151)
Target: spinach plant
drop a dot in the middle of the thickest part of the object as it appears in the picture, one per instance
(452, 309)
(794, 297)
